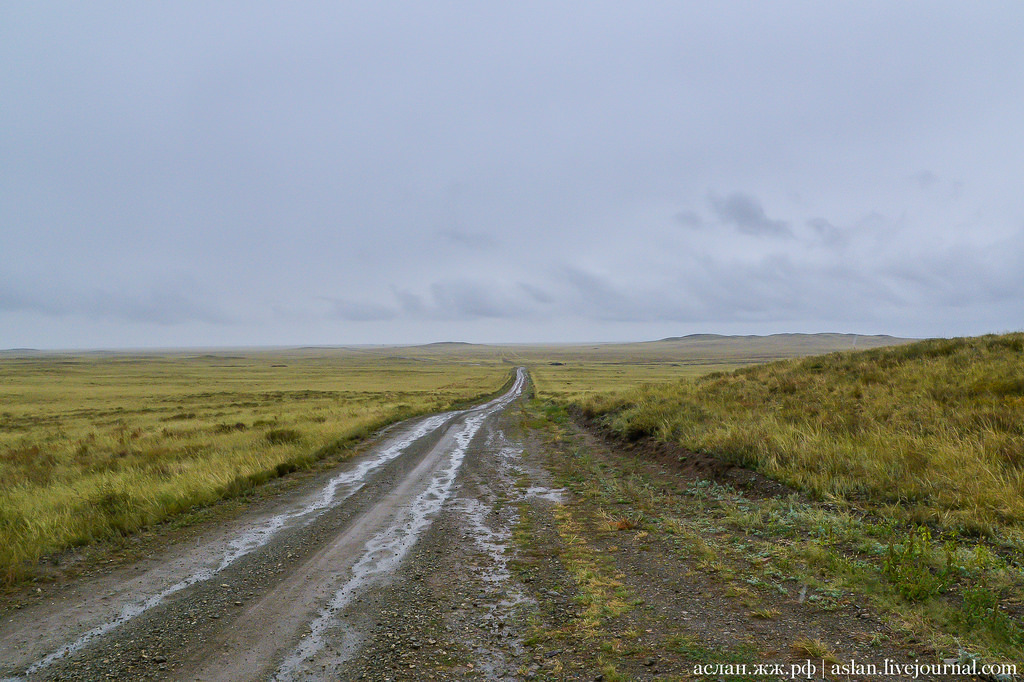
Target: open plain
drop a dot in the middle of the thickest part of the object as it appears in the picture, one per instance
(523, 534)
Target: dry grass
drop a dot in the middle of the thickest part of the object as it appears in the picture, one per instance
(766, 614)
(958, 593)
(575, 373)
(814, 649)
(96, 446)
(931, 432)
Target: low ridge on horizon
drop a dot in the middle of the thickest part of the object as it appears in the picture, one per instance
(709, 336)
(443, 344)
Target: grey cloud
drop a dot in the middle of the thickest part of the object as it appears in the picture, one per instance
(778, 288)
(701, 294)
(875, 222)
(155, 306)
(930, 183)
(471, 299)
(537, 293)
(410, 303)
(473, 240)
(964, 275)
(721, 289)
(925, 179)
(828, 233)
(360, 311)
(598, 296)
(396, 158)
(689, 219)
(745, 213)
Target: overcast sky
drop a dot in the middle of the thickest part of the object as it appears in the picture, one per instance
(183, 174)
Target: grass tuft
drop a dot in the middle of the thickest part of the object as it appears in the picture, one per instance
(766, 614)
(814, 649)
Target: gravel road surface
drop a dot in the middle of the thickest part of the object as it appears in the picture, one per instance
(301, 591)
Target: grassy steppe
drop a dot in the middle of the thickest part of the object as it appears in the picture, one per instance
(571, 373)
(931, 432)
(96, 446)
(795, 561)
(912, 461)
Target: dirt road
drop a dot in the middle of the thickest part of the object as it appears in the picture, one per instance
(292, 594)
(447, 550)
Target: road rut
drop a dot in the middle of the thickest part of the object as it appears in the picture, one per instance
(270, 597)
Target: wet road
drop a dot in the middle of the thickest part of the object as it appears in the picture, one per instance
(294, 592)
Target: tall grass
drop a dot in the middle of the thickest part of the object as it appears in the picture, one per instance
(932, 431)
(98, 447)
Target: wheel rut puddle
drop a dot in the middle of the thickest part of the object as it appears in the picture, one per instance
(365, 555)
(490, 526)
(337, 490)
(382, 552)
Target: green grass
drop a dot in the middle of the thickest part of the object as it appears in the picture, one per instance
(959, 594)
(95, 446)
(913, 460)
(930, 432)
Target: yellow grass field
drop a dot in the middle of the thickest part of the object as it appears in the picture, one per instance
(98, 445)
(931, 431)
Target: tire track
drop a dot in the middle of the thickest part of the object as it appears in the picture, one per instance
(380, 553)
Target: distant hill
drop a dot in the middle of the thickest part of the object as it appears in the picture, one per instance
(870, 339)
(694, 337)
(775, 346)
(17, 352)
(446, 344)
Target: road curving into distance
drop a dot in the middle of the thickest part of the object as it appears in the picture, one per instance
(281, 594)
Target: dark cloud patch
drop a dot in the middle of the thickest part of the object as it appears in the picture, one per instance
(930, 183)
(964, 275)
(536, 293)
(472, 240)
(825, 231)
(745, 213)
(155, 306)
(599, 296)
(360, 311)
(925, 179)
(470, 299)
(410, 303)
(688, 218)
